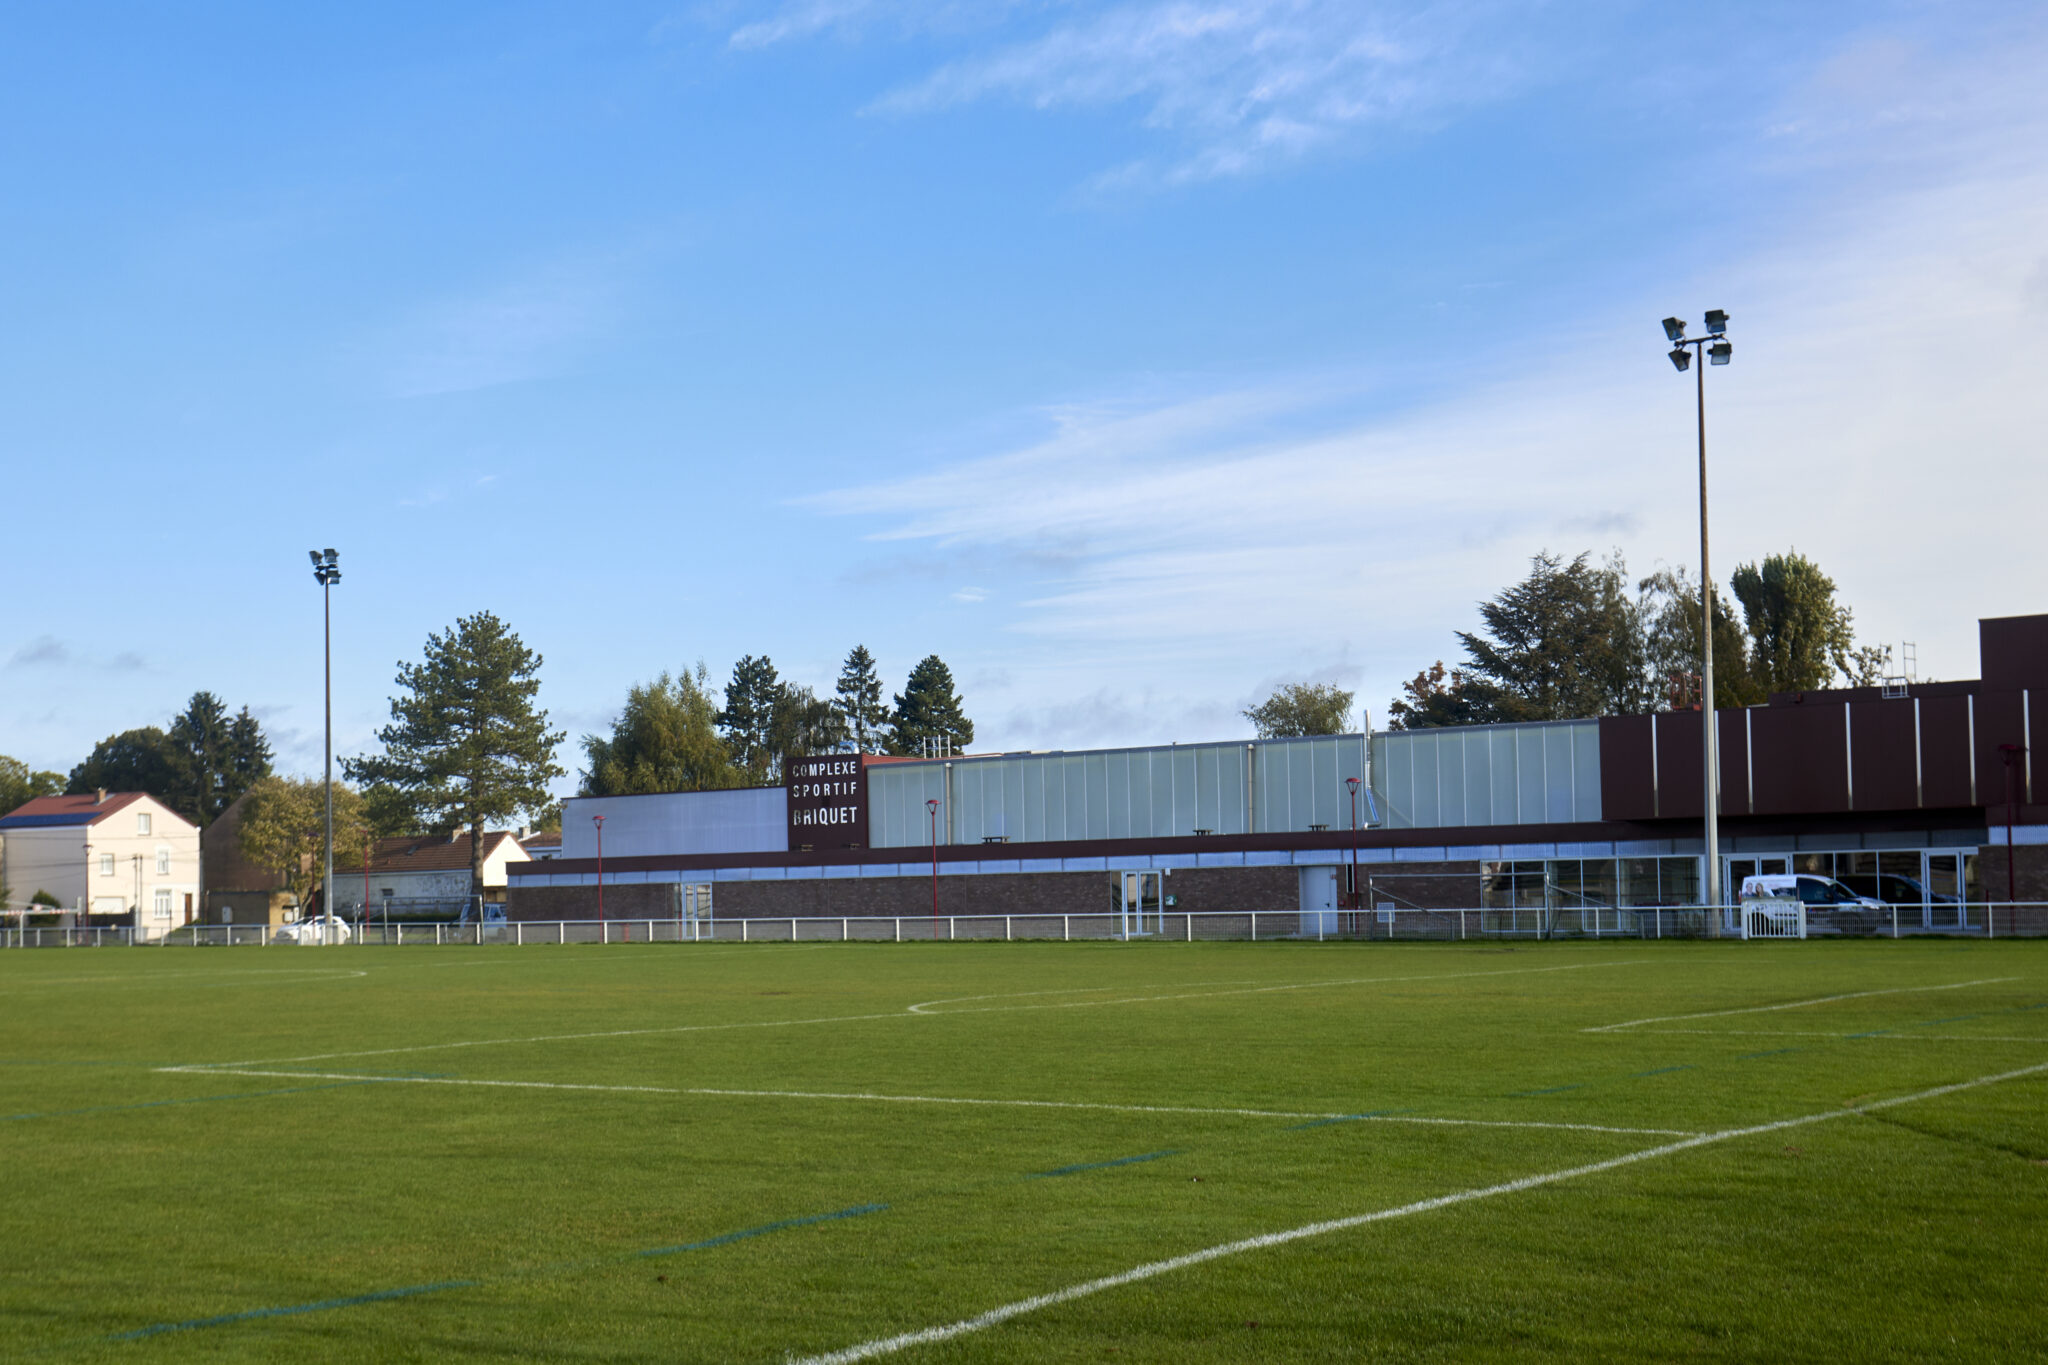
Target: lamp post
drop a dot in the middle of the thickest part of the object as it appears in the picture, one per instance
(327, 572)
(2010, 754)
(1357, 902)
(1718, 352)
(598, 820)
(931, 806)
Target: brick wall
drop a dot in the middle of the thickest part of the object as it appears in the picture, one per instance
(1208, 890)
(2030, 872)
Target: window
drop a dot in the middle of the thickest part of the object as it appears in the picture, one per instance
(163, 862)
(161, 907)
(142, 823)
(106, 864)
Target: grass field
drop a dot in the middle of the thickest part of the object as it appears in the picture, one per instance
(1818, 1151)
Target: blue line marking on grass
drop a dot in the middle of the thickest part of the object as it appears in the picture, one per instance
(1553, 1090)
(1952, 1019)
(724, 1237)
(1104, 1165)
(1872, 1034)
(190, 1099)
(1774, 1052)
(2024, 1008)
(1662, 1070)
(1345, 1118)
(292, 1310)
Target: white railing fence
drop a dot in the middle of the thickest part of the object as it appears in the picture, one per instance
(1975, 919)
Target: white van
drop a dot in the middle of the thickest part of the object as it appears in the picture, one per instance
(1836, 903)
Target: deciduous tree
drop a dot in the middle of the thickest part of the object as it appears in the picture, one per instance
(21, 784)
(140, 760)
(1800, 636)
(467, 745)
(1438, 696)
(284, 827)
(665, 740)
(1302, 709)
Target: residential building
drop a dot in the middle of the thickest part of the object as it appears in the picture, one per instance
(117, 856)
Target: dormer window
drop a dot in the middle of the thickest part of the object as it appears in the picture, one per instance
(142, 824)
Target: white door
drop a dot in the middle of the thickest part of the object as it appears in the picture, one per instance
(1318, 900)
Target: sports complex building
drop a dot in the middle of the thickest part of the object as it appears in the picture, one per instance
(1912, 793)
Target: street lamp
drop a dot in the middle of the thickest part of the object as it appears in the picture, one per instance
(1718, 351)
(327, 572)
(1357, 901)
(931, 806)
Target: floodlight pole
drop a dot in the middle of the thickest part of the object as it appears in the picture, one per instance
(327, 572)
(931, 806)
(1713, 345)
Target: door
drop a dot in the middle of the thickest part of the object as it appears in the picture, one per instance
(1144, 902)
(1318, 900)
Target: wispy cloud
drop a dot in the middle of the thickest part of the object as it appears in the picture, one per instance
(1888, 350)
(1234, 86)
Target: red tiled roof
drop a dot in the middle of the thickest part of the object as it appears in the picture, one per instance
(86, 809)
(431, 852)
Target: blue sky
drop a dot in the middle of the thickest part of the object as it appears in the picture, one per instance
(1132, 357)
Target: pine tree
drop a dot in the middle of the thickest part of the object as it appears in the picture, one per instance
(803, 723)
(749, 715)
(248, 755)
(929, 709)
(860, 698)
(466, 745)
(216, 757)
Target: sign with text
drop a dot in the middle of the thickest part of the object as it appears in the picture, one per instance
(828, 802)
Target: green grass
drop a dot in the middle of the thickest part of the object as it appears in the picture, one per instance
(137, 1197)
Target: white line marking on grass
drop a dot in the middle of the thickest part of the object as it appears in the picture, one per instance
(232, 978)
(1796, 1004)
(1255, 990)
(923, 1099)
(882, 1346)
(909, 1012)
(1915, 1036)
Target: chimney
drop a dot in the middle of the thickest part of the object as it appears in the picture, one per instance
(100, 797)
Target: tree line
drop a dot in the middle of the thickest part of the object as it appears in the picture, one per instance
(674, 735)
(1577, 639)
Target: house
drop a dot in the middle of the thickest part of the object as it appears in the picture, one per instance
(424, 874)
(238, 891)
(105, 854)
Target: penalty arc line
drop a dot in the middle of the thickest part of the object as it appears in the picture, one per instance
(882, 1346)
(1796, 1004)
(1199, 1110)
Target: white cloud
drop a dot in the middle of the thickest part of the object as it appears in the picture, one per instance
(1242, 84)
(1883, 415)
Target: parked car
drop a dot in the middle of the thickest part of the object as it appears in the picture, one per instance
(1893, 889)
(318, 929)
(1836, 906)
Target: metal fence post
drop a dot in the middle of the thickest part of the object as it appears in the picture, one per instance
(899, 930)
(842, 930)
(1189, 919)
(1066, 928)
(1255, 926)
(743, 929)
(1006, 928)
(951, 924)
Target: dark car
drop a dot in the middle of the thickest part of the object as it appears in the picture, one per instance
(1893, 889)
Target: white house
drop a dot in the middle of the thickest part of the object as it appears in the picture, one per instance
(416, 873)
(105, 853)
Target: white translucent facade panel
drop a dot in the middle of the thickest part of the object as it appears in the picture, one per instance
(1488, 775)
(746, 820)
(1116, 793)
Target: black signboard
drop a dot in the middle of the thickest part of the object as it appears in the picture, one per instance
(828, 802)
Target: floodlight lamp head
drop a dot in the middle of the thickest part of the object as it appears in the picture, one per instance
(1720, 352)
(1717, 321)
(331, 556)
(1681, 359)
(314, 555)
(1674, 329)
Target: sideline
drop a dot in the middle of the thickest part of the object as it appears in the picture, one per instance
(882, 1346)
